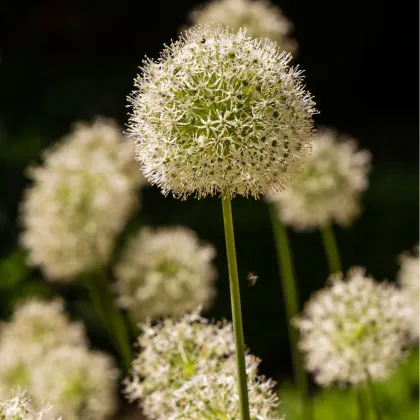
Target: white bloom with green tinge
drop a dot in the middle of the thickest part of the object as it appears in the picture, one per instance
(328, 188)
(80, 384)
(409, 280)
(174, 352)
(261, 19)
(165, 272)
(209, 397)
(353, 328)
(220, 113)
(20, 408)
(80, 200)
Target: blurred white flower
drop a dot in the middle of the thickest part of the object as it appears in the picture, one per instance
(353, 328)
(175, 351)
(328, 188)
(35, 328)
(80, 200)
(20, 408)
(409, 280)
(261, 19)
(165, 272)
(209, 397)
(220, 113)
(80, 384)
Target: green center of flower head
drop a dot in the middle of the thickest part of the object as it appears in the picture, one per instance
(168, 267)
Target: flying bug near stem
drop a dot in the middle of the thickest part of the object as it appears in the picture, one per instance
(252, 278)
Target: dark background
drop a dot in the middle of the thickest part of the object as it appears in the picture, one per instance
(68, 60)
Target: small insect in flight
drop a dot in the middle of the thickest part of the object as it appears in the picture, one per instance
(252, 278)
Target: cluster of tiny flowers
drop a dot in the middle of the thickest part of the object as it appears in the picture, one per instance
(42, 351)
(80, 200)
(409, 280)
(79, 383)
(165, 272)
(220, 113)
(175, 352)
(20, 408)
(259, 17)
(328, 188)
(209, 397)
(353, 329)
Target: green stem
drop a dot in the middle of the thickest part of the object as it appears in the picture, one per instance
(110, 315)
(373, 399)
(331, 248)
(291, 302)
(361, 403)
(236, 309)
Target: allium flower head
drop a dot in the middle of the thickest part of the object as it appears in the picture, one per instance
(173, 352)
(35, 328)
(220, 113)
(353, 328)
(80, 384)
(80, 200)
(165, 272)
(328, 188)
(261, 19)
(409, 280)
(20, 408)
(209, 397)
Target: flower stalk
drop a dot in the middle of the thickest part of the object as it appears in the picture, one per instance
(331, 248)
(236, 309)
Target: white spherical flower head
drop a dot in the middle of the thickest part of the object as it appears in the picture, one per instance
(80, 200)
(409, 280)
(353, 328)
(209, 397)
(328, 188)
(261, 19)
(37, 327)
(172, 353)
(20, 408)
(220, 113)
(80, 384)
(165, 272)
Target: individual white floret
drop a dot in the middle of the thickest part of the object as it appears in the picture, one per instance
(353, 328)
(261, 18)
(175, 351)
(163, 272)
(80, 200)
(220, 113)
(328, 188)
(409, 280)
(80, 384)
(210, 397)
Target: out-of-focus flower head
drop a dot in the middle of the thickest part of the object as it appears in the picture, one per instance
(80, 200)
(20, 408)
(175, 351)
(353, 328)
(328, 188)
(209, 397)
(261, 19)
(80, 384)
(409, 280)
(35, 328)
(165, 272)
(220, 113)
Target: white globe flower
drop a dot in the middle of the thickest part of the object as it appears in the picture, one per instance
(328, 188)
(409, 280)
(261, 19)
(172, 353)
(220, 113)
(165, 272)
(80, 384)
(209, 397)
(353, 328)
(80, 200)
